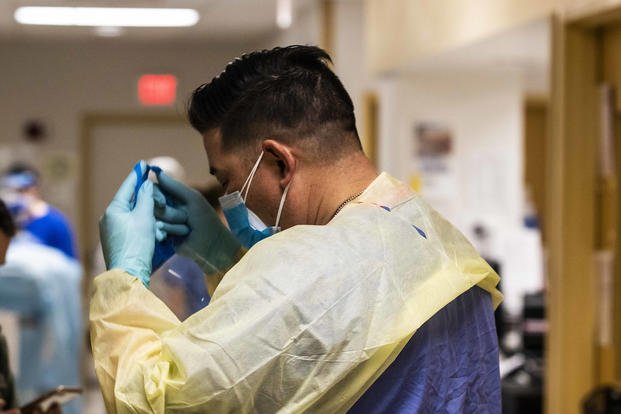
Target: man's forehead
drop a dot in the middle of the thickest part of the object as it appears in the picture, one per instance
(230, 160)
(220, 161)
(212, 139)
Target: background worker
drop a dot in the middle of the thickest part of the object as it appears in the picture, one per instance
(40, 283)
(8, 400)
(8, 397)
(323, 311)
(20, 189)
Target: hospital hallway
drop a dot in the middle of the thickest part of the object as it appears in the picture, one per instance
(504, 116)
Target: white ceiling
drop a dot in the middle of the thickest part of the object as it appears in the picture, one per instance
(221, 20)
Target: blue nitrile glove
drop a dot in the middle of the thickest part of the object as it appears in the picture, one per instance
(172, 220)
(165, 246)
(210, 244)
(127, 229)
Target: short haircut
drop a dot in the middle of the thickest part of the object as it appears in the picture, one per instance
(7, 225)
(286, 93)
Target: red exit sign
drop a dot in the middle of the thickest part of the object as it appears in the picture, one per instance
(157, 89)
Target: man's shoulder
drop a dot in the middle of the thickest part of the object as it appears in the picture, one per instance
(359, 234)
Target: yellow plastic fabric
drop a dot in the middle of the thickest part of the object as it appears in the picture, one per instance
(305, 322)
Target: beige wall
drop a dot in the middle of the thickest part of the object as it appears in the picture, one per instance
(349, 57)
(61, 81)
(305, 29)
(575, 9)
(401, 31)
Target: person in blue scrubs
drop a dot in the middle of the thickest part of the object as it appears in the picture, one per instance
(20, 187)
(8, 387)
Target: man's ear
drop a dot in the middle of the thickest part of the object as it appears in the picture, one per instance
(284, 158)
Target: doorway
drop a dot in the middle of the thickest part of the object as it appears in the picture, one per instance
(112, 144)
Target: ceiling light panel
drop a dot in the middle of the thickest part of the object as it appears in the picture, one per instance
(107, 16)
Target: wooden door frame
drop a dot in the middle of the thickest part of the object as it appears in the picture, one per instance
(573, 359)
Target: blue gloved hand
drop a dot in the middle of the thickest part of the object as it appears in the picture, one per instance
(128, 234)
(209, 243)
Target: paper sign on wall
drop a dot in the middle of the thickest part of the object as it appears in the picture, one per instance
(434, 160)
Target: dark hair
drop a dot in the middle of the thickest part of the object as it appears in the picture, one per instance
(287, 93)
(7, 225)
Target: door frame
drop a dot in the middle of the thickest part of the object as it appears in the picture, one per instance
(575, 361)
(91, 121)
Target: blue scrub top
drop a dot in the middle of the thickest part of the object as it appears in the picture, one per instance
(450, 365)
(53, 229)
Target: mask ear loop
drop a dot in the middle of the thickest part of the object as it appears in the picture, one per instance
(282, 203)
(251, 176)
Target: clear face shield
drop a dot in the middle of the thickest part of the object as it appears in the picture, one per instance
(181, 284)
(178, 281)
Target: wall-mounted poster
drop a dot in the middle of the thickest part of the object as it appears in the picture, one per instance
(434, 161)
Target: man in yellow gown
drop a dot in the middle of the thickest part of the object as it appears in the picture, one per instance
(314, 313)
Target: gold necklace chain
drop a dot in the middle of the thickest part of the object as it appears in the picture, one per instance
(344, 203)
